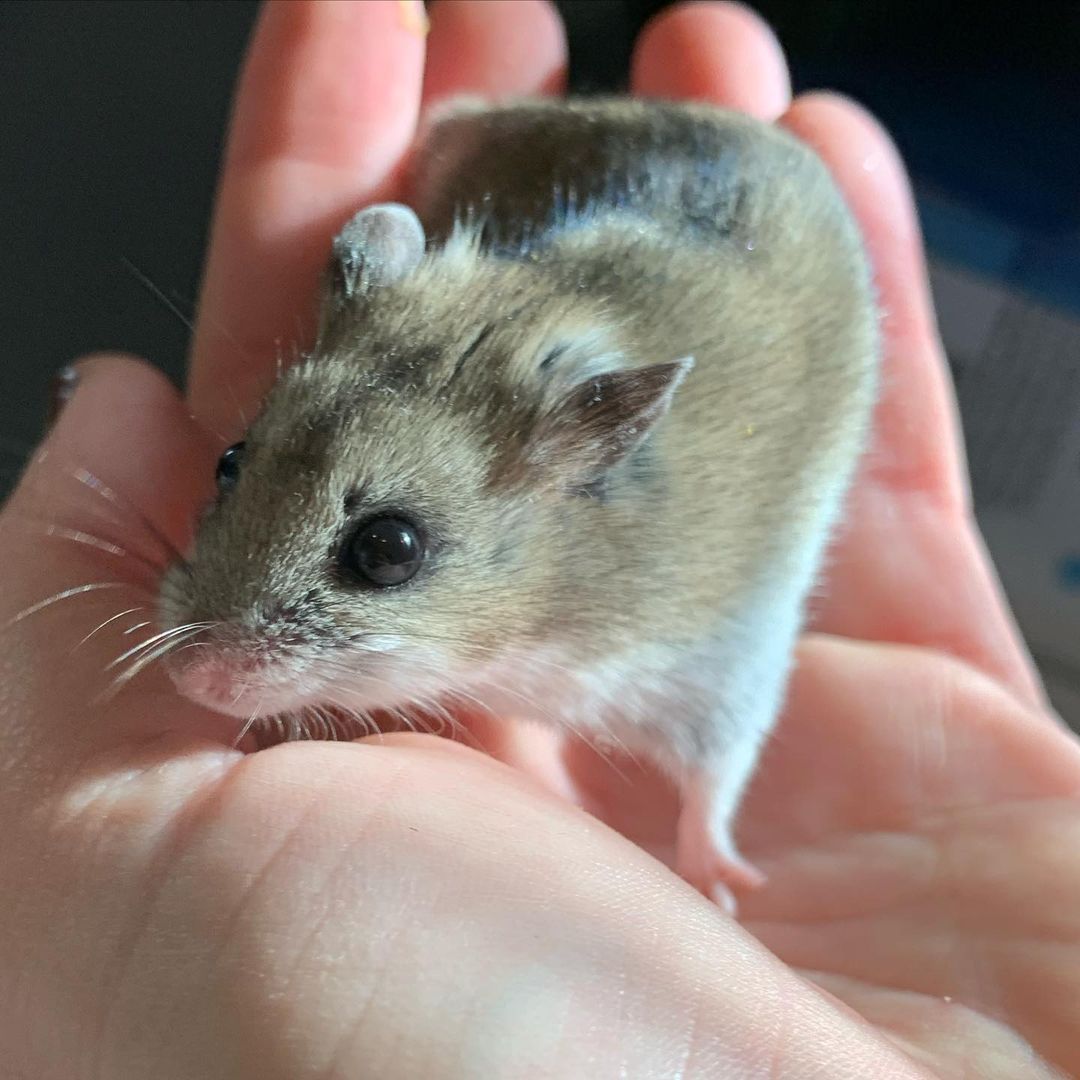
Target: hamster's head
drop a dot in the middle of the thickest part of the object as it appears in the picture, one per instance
(393, 522)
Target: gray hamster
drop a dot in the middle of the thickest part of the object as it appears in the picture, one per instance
(569, 445)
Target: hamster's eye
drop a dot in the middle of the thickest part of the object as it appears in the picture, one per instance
(384, 551)
(228, 467)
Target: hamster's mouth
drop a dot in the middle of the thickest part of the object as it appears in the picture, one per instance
(279, 705)
(245, 686)
(257, 681)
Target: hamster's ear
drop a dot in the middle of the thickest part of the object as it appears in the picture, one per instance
(380, 245)
(602, 420)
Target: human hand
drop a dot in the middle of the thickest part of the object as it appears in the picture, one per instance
(412, 908)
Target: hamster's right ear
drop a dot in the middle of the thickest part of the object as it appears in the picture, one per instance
(604, 419)
(381, 245)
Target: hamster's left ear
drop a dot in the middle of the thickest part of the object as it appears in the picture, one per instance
(381, 245)
(604, 419)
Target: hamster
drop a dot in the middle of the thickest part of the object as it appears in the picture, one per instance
(569, 445)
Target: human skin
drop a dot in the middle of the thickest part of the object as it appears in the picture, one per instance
(413, 907)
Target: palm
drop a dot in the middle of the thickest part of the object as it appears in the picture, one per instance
(916, 867)
(913, 813)
(886, 903)
(919, 831)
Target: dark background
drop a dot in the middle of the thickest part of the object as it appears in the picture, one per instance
(112, 114)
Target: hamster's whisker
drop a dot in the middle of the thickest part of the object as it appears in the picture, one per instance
(78, 536)
(170, 638)
(340, 725)
(333, 724)
(248, 723)
(402, 718)
(279, 724)
(302, 723)
(174, 309)
(136, 627)
(296, 728)
(427, 717)
(66, 594)
(141, 663)
(346, 679)
(53, 530)
(123, 506)
(370, 727)
(358, 716)
(458, 728)
(110, 619)
(316, 724)
(430, 707)
(432, 704)
(157, 293)
(156, 639)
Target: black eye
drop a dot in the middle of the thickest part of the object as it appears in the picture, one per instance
(384, 551)
(228, 466)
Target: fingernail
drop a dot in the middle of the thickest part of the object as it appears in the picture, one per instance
(413, 17)
(61, 390)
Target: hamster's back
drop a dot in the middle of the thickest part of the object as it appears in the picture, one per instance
(704, 233)
(521, 168)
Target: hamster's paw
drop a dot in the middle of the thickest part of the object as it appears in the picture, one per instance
(711, 863)
(706, 855)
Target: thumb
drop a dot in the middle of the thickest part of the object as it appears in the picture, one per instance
(119, 421)
(99, 512)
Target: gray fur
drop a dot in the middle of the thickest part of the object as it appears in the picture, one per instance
(636, 571)
(378, 246)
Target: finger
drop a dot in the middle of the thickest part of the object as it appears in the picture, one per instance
(105, 503)
(909, 565)
(896, 736)
(718, 52)
(918, 443)
(115, 407)
(326, 107)
(905, 791)
(494, 48)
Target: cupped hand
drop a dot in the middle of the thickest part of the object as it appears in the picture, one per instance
(411, 907)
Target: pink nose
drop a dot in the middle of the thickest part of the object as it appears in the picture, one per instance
(235, 681)
(216, 678)
(216, 681)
